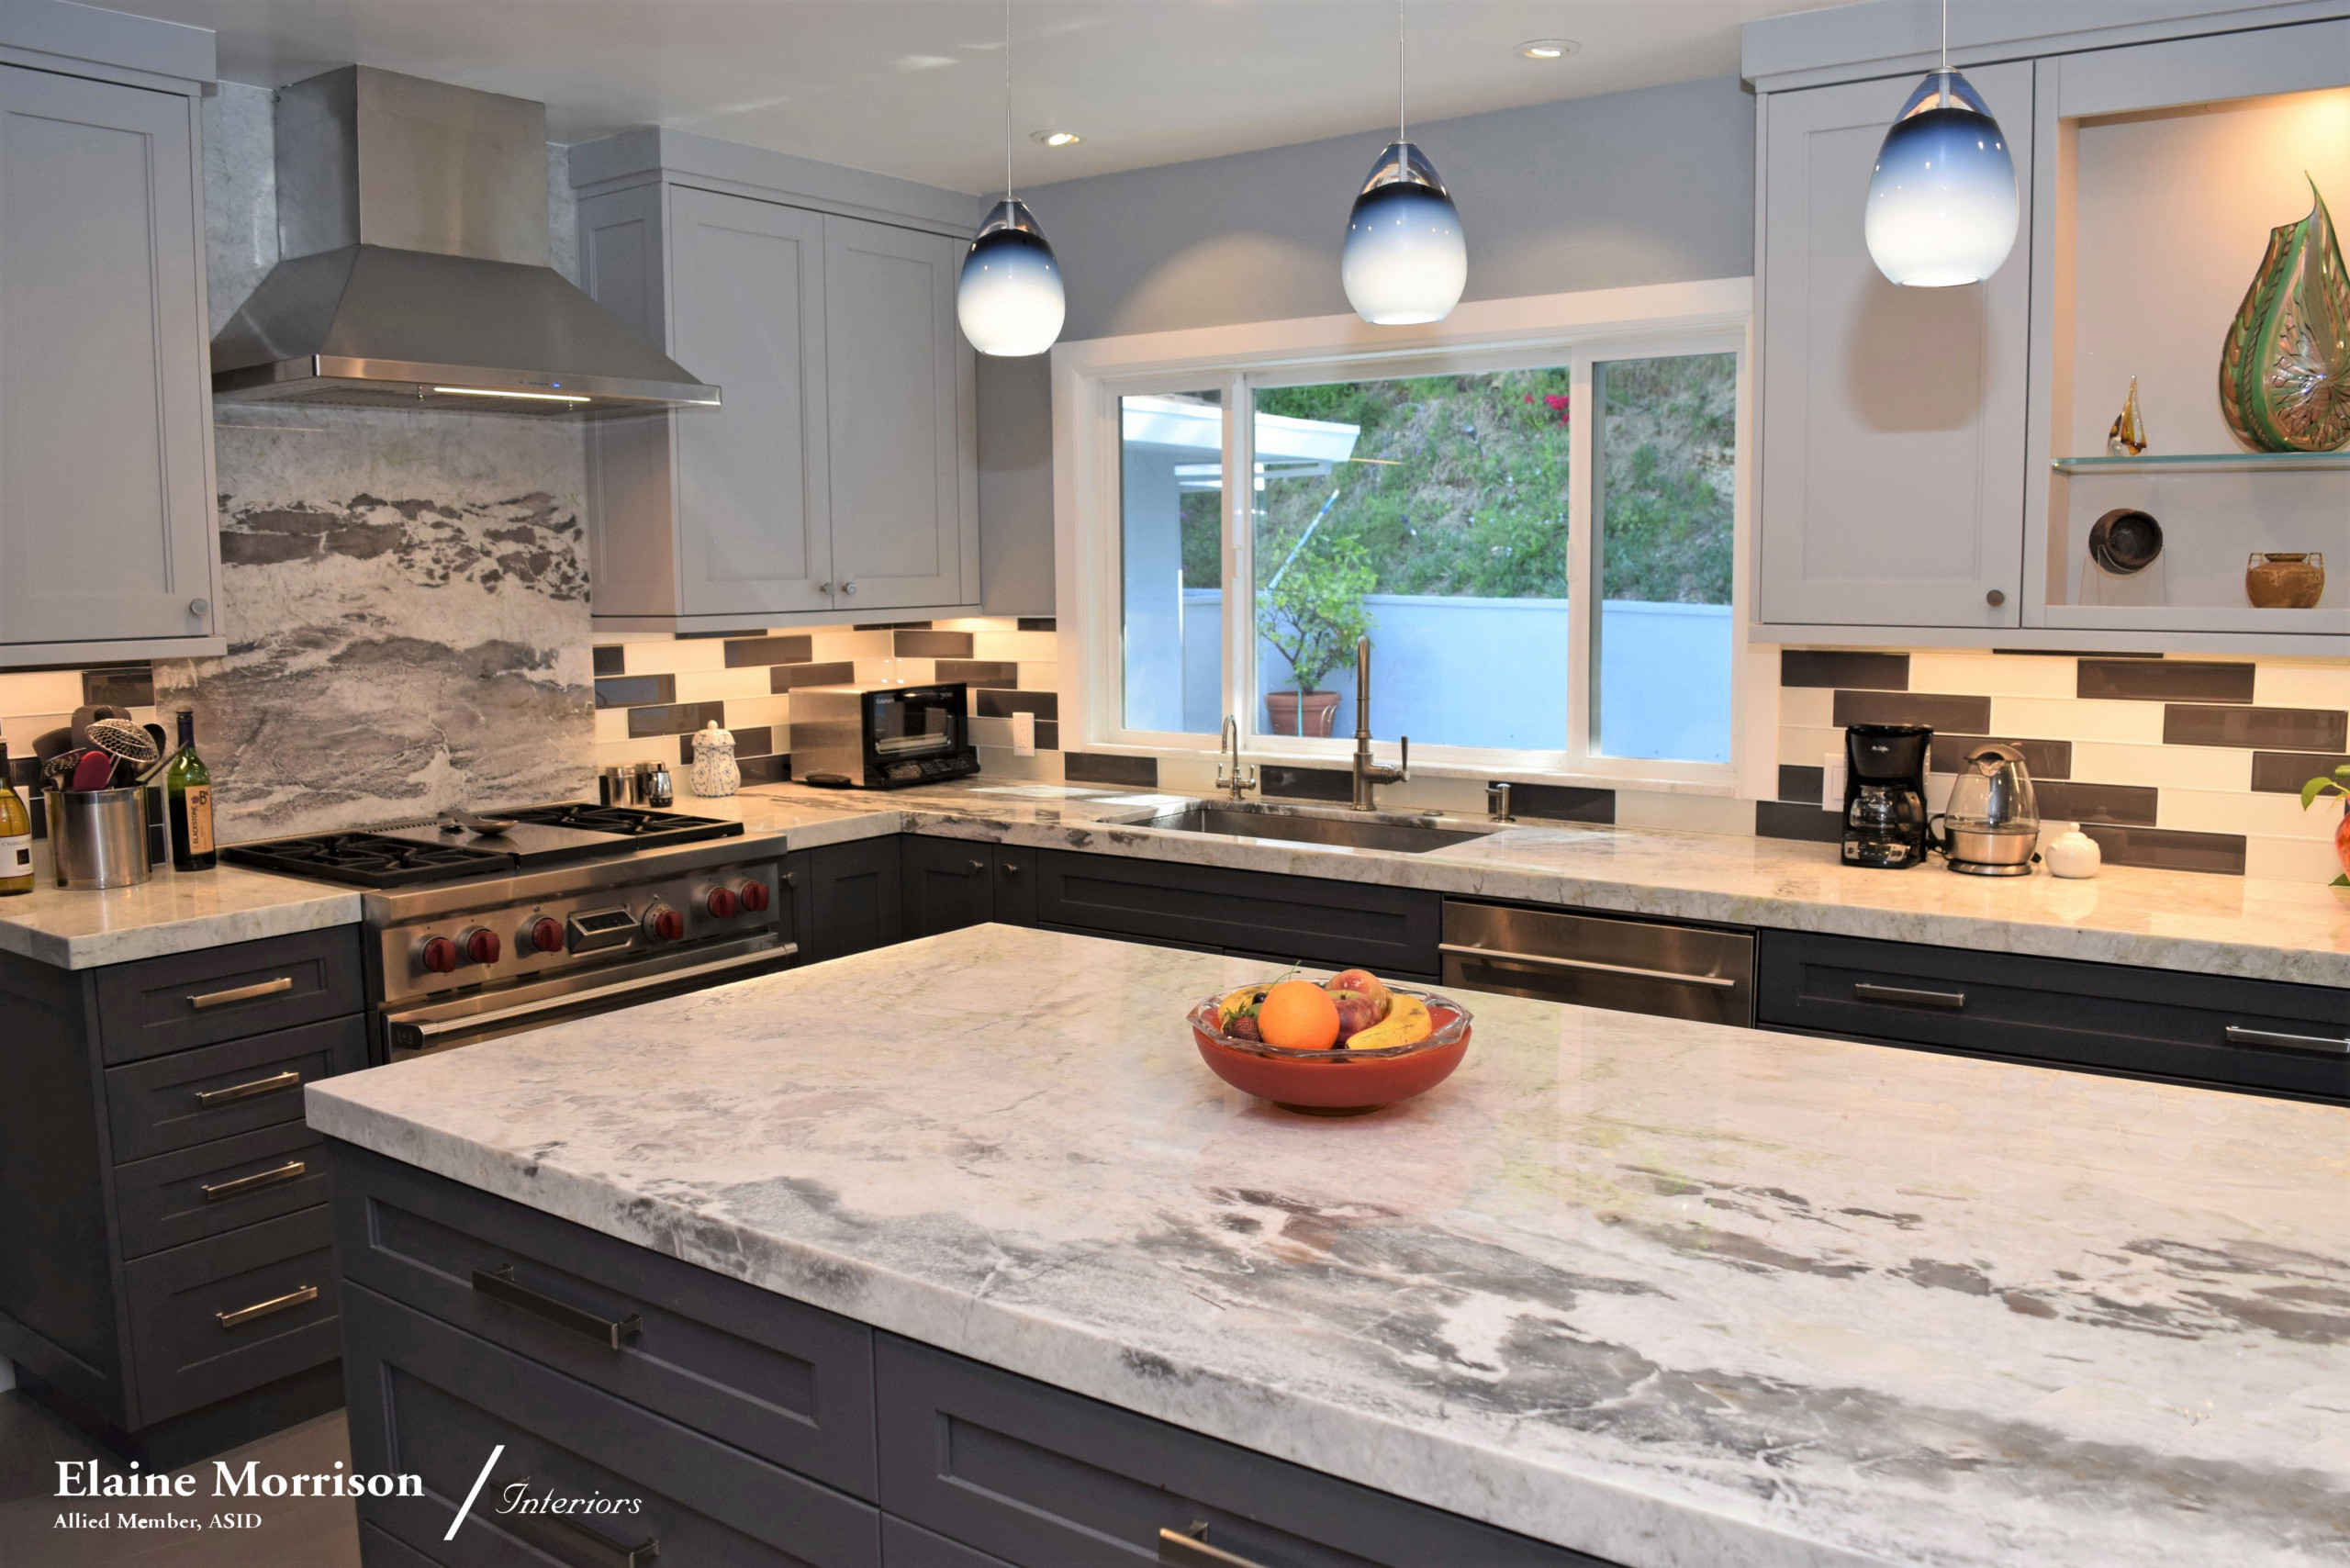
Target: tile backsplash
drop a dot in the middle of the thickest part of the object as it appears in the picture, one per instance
(652, 691)
(2185, 763)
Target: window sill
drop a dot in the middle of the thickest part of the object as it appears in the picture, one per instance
(1724, 787)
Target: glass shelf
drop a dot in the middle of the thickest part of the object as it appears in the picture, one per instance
(2205, 462)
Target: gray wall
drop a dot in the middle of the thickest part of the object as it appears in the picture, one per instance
(1655, 185)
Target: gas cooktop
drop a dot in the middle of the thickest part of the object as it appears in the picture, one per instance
(402, 855)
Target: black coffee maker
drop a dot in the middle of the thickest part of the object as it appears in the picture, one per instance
(1885, 795)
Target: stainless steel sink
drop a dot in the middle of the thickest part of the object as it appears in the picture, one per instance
(1408, 838)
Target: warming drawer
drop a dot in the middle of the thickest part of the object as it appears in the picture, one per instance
(1626, 966)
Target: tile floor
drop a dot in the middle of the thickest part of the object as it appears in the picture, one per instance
(307, 1532)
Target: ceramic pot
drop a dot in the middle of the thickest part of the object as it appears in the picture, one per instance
(2283, 580)
(2342, 839)
(1289, 714)
(716, 773)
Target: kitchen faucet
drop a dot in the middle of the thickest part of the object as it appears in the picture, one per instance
(1240, 782)
(1369, 774)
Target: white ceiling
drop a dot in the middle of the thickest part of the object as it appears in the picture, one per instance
(914, 88)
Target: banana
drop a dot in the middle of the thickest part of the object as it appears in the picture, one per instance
(1407, 1023)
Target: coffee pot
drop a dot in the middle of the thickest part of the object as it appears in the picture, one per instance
(1991, 826)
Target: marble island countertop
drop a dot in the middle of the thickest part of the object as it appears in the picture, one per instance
(1669, 1292)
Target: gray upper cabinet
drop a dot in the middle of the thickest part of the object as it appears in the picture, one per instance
(1893, 419)
(904, 425)
(108, 536)
(841, 474)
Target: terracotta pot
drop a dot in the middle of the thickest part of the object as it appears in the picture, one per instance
(1287, 713)
(2342, 840)
(2283, 581)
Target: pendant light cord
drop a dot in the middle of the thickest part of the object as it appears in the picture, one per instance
(1945, 71)
(1399, 71)
(1009, 97)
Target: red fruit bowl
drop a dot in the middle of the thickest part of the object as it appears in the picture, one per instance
(1335, 1082)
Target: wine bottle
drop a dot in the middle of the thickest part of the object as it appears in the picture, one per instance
(188, 783)
(16, 836)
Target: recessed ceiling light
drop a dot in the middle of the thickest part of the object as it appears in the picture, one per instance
(1547, 48)
(1056, 138)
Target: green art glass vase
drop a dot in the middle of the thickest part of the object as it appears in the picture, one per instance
(2285, 373)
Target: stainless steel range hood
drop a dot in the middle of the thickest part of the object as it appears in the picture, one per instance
(413, 218)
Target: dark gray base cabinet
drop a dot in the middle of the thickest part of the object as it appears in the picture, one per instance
(168, 1284)
(2195, 1028)
(750, 1430)
(954, 882)
(847, 898)
(1392, 932)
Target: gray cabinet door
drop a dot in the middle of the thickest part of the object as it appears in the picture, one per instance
(1893, 419)
(902, 428)
(746, 290)
(106, 514)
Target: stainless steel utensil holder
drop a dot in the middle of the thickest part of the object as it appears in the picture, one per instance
(97, 838)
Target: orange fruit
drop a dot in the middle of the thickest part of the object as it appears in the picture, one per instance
(1298, 1015)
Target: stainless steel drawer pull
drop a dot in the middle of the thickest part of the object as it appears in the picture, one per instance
(1903, 996)
(1190, 1549)
(499, 1285)
(242, 993)
(216, 1190)
(245, 1314)
(585, 1546)
(2274, 1040)
(1674, 976)
(270, 1085)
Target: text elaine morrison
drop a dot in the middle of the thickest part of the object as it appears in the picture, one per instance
(81, 1478)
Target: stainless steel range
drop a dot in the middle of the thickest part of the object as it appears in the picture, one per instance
(571, 910)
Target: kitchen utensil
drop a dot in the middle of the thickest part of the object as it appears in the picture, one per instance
(162, 742)
(51, 742)
(2125, 540)
(124, 740)
(94, 771)
(57, 771)
(98, 839)
(2282, 579)
(1992, 826)
(1885, 795)
(487, 827)
(1335, 1082)
(84, 717)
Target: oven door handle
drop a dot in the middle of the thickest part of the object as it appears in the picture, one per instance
(409, 1033)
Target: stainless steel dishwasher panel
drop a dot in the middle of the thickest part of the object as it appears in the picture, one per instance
(1628, 966)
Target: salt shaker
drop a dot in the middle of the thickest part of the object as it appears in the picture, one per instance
(716, 773)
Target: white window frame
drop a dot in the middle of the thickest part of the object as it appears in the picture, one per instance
(1574, 330)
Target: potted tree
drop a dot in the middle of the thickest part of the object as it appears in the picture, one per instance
(2337, 783)
(1312, 613)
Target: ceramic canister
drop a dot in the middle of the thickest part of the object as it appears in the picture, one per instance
(716, 773)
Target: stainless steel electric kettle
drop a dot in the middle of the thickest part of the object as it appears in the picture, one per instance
(1991, 826)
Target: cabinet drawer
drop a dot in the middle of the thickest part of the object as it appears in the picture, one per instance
(911, 1546)
(431, 1400)
(1047, 1479)
(192, 1097)
(170, 1003)
(1390, 931)
(230, 1313)
(191, 1193)
(777, 1378)
(2207, 1028)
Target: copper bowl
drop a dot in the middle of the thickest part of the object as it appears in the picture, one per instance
(1335, 1082)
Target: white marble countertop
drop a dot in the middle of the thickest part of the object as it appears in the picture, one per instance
(1669, 1292)
(2225, 925)
(173, 913)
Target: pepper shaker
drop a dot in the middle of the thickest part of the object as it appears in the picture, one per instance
(662, 793)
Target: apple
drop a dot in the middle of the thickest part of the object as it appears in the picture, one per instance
(1356, 1012)
(1362, 982)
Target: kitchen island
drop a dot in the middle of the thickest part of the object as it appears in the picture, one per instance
(1661, 1293)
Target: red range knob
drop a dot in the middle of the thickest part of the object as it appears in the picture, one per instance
(439, 955)
(663, 923)
(723, 904)
(753, 896)
(481, 946)
(547, 935)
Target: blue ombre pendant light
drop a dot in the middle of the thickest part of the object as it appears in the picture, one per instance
(1009, 300)
(1405, 260)
(1942, 206)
